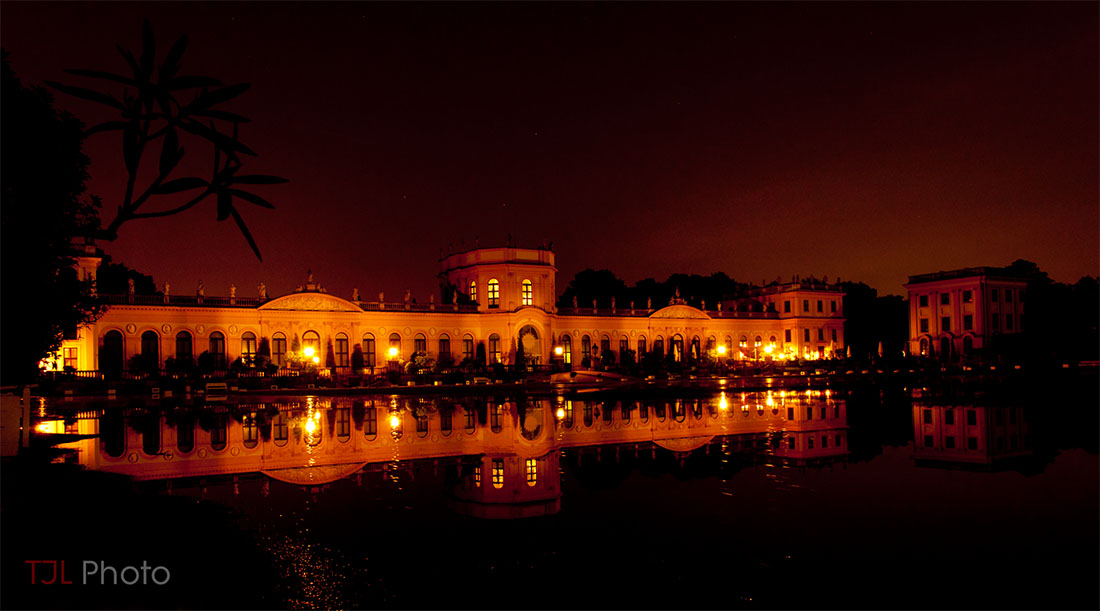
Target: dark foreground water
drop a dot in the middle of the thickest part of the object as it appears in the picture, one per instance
(866, 497)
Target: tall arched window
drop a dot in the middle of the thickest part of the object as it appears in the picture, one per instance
(150, 347)
(771, 341)
(695, 347)
(586, 347)
(712, 344)
(467, 347)
(473, 291)
(368, 350)
(729, 346)
(498, 473)
(494, 293)
(924, 346)
(311, 339)
(624, 346)
(659, 345)
(184, 348)
(527, 293)
(676, 347)
(278, 349)
(420, 344)
(494, 348)
(342, 350)
(641, 348)
(217, 348)
(280, 429)
(744, 342)
(444, 353)
(248, 347)
(605, 346)
(395, 347)
(567, 348)
(250, 431)
(757, 341)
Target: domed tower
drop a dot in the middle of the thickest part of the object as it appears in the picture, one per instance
(503, 279)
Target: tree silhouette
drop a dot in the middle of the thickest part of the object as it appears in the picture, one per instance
(158, 105)
(42, 209)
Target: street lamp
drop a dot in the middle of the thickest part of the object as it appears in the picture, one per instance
(393, 353)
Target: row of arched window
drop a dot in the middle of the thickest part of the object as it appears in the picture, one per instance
(492, 293)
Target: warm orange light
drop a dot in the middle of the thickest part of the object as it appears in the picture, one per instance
(721, 350)
(393, 352)
(768, 349)
(308, 352)
(43, 427)
(558, 350)
(560, 414)
(722, 405)
(316, 359)
(311, 426)
(395, 421)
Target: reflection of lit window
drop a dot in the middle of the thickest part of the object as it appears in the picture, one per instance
(343, 424)
(248, 347)
(526, 293)
(477, 476)
(494, 293)
(495, 418)
(280, 430)
(250, 432)
(494, 348)
(278, 349)
(422, 425)
(370, 422)
(532, 471)
(446, 418)
(471, 420)
(498, 473)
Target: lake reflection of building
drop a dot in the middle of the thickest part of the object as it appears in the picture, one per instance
(969, 435)
(507, 452)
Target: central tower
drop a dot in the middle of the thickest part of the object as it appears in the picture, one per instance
(503, 279)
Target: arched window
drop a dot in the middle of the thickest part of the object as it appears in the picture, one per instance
(343, 424)
(526, 293)
(771, 341)
(924, 346)
(744, 342)
(532, 471)
(567, 348)
(150, 435)
(494, 348)
(494, 293)
(757, 341)
(586, 347)
(659, 345)
(150, 347)
(676, 347)
(250, 431)
(219, 432)
(496, 418)
(968, 344)
(280, 430)
(370, 421)
(342, 350)
(278, 349)
(310, 339)
(473, 291)
(248, 347)
(185, 435)
(695, 345)
(444, 353)
(467, 347)
(624, 346)
(110, 355)
(729, 346)
(395, 347)
(368, 350)
(184, 349)
(712, 344)
(217, 348)
(605, 346)
(498, 473)
(420, 344)
(641, 347)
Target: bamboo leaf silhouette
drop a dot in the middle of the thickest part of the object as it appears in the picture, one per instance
(187, 82)
(169, 152)
(258, 179)
(107, 76)
(171, 64)
(106, 126)
(224, 94)
(87, 94)
(244, 230)
(181, 184)
(252, 197)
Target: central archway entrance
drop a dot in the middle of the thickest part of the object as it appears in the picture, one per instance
(532, 345)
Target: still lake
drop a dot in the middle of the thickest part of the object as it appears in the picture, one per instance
(867, 496)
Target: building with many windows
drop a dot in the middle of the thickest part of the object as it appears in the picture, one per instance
(954, 313)
(493, 297)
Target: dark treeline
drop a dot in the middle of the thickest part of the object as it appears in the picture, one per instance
(871, 320)
(1062, 319)
(603, 284)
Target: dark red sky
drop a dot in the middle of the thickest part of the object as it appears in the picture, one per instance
(868, 141)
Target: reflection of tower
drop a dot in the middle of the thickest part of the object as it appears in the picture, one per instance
(509, 486)
(973, 435)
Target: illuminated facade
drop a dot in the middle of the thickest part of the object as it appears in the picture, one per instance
(493, 297)
(953, 313)
(969, 434)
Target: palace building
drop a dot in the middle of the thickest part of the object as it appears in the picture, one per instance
(954, 313)
(495, 297)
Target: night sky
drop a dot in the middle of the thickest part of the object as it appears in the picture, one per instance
(865, 141)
